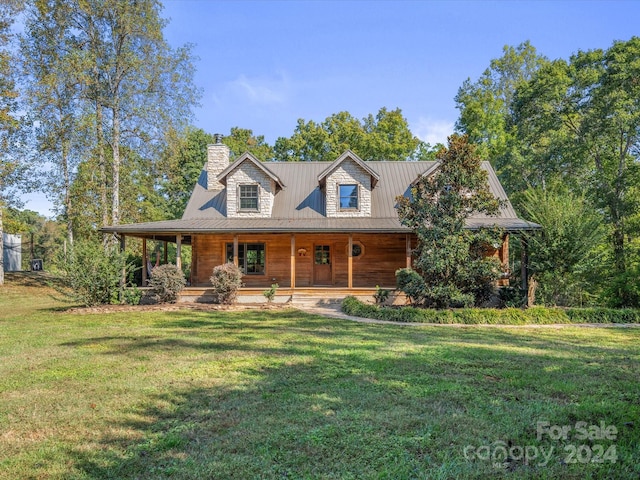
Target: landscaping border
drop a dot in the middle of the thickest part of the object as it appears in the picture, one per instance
(492, 316)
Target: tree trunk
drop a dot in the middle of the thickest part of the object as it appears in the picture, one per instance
(67, 191)
(115, 209)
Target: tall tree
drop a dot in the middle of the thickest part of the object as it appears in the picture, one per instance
(383, 137)
(12, 168)
(105, 88)
(144, 84)
(485, 107)
(450, 259)
(586, 113)
(53, 97)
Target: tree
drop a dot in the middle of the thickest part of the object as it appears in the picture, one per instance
(564, 256)
(585, 114)
(180, 165)
(52, 93)
(144, 84)
(383, 137)
(485, 108)
(241, 140)
(12, 166)
(451, 261)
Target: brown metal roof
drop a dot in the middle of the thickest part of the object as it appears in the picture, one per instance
(300, 206)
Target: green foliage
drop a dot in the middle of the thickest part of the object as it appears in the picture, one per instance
(166, 283)
(583, 117)
(226, 281)
(132, 295)
(241, 140)
(451, 260)
(91, 275)
(383, 137)
(270, 293)
(480, 316)
(411, 284)
(563, 257)
(485, 104)
(381, 295)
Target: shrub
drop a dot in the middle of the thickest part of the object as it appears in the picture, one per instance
(270, 293)
(92, 274)
(477, 316)
(412, 284)
(381, 295)
(226, 281)
(166, 282)
(132, 295)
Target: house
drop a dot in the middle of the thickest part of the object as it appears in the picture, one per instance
(304, 225)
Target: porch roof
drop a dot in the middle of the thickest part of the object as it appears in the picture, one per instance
(167, 228)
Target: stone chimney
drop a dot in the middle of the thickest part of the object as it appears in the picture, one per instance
(217, 161)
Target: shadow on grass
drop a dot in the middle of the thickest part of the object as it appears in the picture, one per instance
(335, 400)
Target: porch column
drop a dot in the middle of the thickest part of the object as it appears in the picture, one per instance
(524, 268)
(293, 261)
(166, 252)
(235, 250)
(350, 262)
(178, 251)
(123, 278)
(144, 262)
(408, 249)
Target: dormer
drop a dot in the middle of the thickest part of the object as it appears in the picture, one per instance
(347, 184)
(251, 188)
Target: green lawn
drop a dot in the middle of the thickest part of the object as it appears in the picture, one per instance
(282, 394)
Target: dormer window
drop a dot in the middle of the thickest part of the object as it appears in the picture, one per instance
(248, 195)
(349, 197)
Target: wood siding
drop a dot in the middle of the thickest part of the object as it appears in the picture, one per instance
(381, 256)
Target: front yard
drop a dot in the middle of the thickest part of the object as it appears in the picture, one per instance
(283, 394)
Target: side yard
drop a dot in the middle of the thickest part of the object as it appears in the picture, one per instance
(283, 394)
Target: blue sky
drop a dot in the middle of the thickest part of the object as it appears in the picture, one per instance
(264, 64)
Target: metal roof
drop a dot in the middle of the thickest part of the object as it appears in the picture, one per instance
(300, 207)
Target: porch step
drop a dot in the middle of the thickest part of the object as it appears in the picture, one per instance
(315, 299)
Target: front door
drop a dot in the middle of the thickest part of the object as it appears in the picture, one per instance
(322, 265)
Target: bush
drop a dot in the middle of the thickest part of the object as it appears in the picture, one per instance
(412, 284)
(92, 274)
(166, 282)
(270, 293)
(226, 281)
(478, 316)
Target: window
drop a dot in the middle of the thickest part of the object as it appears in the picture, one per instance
(251, 257)
(348, 197)
(357, 249)
(248, 197)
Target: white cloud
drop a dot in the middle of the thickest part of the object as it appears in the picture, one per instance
(432, 131)
(261, 90)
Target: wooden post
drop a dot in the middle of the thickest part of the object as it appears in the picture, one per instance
(144, 262)
(123, 278)
(293, 261)
(178, 251)
(350, 262)
(408, 249)
(524, 267)
(166, 252)
(235, 250)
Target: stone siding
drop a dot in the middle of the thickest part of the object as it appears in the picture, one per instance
(217, 161)
(248, 174)
(348, 172)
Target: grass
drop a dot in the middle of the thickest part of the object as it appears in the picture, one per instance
(282, 394)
